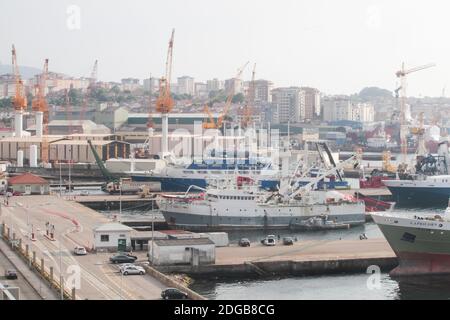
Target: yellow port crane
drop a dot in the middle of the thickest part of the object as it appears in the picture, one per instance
(20, 100)
(164, 102)
(402, 73)
(248, 109)
(39, 104)
(210, 123)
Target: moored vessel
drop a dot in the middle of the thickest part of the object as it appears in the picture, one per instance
(420, 241)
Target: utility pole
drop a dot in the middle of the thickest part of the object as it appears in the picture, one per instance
(60, 180)
(61, 278)
(120, 200)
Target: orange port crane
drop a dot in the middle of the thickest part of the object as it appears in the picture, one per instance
(68, 110)
(402, 75)
(248, 109)
(39, 104)
(20, 100)
(91, 85)
(210, 123)
(164, 102)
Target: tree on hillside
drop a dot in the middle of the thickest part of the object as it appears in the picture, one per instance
(238, 98)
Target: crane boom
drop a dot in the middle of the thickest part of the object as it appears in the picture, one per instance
(250, 100)
(164, 103)
(19, 100)
(92, 81)
(402, 75)
(307, 187)
(230, 97)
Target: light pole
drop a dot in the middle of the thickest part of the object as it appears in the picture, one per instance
(120, 200)
(61, 279)
(121, 285)
(70, 178)
(60, 180)
(153, 228)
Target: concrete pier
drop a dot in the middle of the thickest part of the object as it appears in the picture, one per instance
(303, 258)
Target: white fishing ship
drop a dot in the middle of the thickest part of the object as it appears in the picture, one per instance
(232, 206)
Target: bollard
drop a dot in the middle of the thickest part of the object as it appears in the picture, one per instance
(74, 297)
(34, 257)
(42, 265)
(27, 249)
(14, 236)
(3, 229)
(51, 275)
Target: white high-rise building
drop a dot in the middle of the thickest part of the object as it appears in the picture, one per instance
(288, 105)
(234, 84)
(151, 84)
(341, 108)
(214, 85)
(185, 85)
(312, 102)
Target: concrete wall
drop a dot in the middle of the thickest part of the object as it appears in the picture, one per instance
(114, 237)
(33, 189)
(287, 267)
(182, 254)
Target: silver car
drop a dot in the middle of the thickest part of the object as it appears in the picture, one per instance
(130, 269)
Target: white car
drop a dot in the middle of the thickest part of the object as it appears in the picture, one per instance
(80, 251)
(130, 269)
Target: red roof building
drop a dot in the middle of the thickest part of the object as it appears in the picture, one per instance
(27, 178)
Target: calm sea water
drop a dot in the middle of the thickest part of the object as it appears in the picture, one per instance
(336, 287)
(330, 287)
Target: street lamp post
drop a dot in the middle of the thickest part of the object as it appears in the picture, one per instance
(120, 200)
(153, 228)
(60, 180)
(61, 279)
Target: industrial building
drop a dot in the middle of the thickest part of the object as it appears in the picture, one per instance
(64, 127)
(195, 251)
(176, 120)
(74, 148)
(112, 237)
(28, 184)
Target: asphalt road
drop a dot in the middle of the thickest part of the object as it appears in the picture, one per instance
(26, 291)
(93, 276)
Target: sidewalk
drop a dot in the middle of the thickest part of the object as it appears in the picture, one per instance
(32, 278)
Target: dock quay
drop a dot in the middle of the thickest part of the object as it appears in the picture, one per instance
(73, 222)
(304, 258)
(113, 202)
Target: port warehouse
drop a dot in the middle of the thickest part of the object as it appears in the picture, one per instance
(66, 148)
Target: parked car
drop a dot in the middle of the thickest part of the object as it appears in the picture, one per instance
(84, 193)
(173, 293)
(288, 241)
(11, 274)
(244, 242)
(80, 251)
(123, 258)
(270, 240)
(132, 269)
(17, 193)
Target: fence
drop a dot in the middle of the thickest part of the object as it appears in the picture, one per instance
(37, 265)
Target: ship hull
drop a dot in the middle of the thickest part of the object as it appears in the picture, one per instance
(196, 221)
(420, 196)
(422, 246)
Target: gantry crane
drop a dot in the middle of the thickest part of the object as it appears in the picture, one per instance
(210, 123)
(164, 102)
(68, 110)
(91, 85)
(402, 75)
(39, 104)
(248, 109)
(20, 100)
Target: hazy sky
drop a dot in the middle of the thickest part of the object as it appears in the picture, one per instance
(336, 46)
